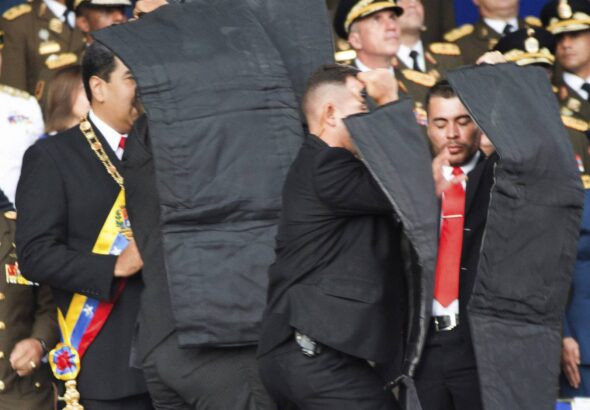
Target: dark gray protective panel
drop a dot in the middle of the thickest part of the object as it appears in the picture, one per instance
(393, 148)
(220, 84)
(529, 247)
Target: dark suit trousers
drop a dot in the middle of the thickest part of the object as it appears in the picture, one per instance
(204, 378)
(446, 378)
(330, 380)
(139, 402)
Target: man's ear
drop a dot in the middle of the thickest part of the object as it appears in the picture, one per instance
(355, 40)
(83, 24)
(329, 118)
(97, 88)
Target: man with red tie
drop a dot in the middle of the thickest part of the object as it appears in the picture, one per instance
(446, 378)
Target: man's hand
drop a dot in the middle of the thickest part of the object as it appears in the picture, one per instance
(491, 57)
(26, 356)
(380, 85)
(129, 262)
(441, 184)
(570, 360)
(147, 6)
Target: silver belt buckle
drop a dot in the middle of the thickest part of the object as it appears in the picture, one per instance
(442, 327)
(309, 347)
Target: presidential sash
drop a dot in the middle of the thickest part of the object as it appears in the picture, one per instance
(86, 316)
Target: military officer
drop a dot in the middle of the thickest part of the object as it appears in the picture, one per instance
(21, 124)
(569, 21)
(378, 31)
(38, 35)
(93, 15)
(498, 18)
(28, 324)
(537, 47)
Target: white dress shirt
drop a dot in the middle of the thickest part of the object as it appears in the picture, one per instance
(404, 55)
(113, 137)
(59, 10)
(453, 308)
(499, 25)
(364, 68)
(576, 83)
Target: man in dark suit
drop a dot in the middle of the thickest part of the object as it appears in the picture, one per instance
(333, 297)
(70, 203)
(446, 377)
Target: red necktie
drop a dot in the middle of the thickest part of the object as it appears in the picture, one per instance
(122, 142)
(448, 263)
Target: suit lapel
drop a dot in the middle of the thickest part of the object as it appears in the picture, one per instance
(473, 179)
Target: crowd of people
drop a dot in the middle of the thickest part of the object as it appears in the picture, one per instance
(90, 298)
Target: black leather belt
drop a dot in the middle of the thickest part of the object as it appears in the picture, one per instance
(445, 323)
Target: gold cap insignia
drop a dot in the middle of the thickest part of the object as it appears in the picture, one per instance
(564, 10)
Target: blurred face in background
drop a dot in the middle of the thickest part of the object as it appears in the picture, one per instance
(91, 18)
(497, 9)
(573, 52)
(413, 17)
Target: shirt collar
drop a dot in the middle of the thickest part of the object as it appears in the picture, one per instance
(498, 25)
(59, 11)
(576, 83)
(364, 68)
(404, 55)
(112, 136)
(466, 168)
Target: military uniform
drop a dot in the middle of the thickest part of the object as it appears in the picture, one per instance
(536, 46)
(475, 40)
(21, 124)
(439, 18)
(36, 44)
(26, 311)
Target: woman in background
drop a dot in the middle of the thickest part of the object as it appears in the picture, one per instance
(66, 100)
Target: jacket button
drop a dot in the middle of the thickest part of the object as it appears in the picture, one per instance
(1, 355)
(2, 386)
(2, 326)
(2, 296)
(38, 385)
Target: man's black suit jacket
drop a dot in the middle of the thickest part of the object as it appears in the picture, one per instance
(63, 197)
(338, 268)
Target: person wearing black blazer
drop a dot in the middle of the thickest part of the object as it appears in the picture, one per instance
(333, 298)
(64, 197)
(446, 378)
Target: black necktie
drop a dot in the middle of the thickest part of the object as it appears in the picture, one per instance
(414, 56)
(586, 87)
(507, 29)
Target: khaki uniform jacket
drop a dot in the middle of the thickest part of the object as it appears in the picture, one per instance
(35, 39)
(26, 311)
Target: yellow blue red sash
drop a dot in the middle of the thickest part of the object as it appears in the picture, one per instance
(85, 316)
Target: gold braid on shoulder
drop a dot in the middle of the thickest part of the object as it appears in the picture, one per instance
(96, 146)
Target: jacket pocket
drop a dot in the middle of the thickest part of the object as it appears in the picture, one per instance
(351, 288)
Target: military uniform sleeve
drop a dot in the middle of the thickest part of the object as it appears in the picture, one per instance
(42, 230)
(14, 54)
(344, 183)
(45, 324)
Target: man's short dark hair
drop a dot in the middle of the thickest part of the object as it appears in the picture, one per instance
(327, 74)
(85, 6)
(98, 61)
(441, 89)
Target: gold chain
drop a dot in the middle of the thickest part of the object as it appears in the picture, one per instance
(96, 146)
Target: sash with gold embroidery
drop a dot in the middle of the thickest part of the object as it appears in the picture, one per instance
(86, 316)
